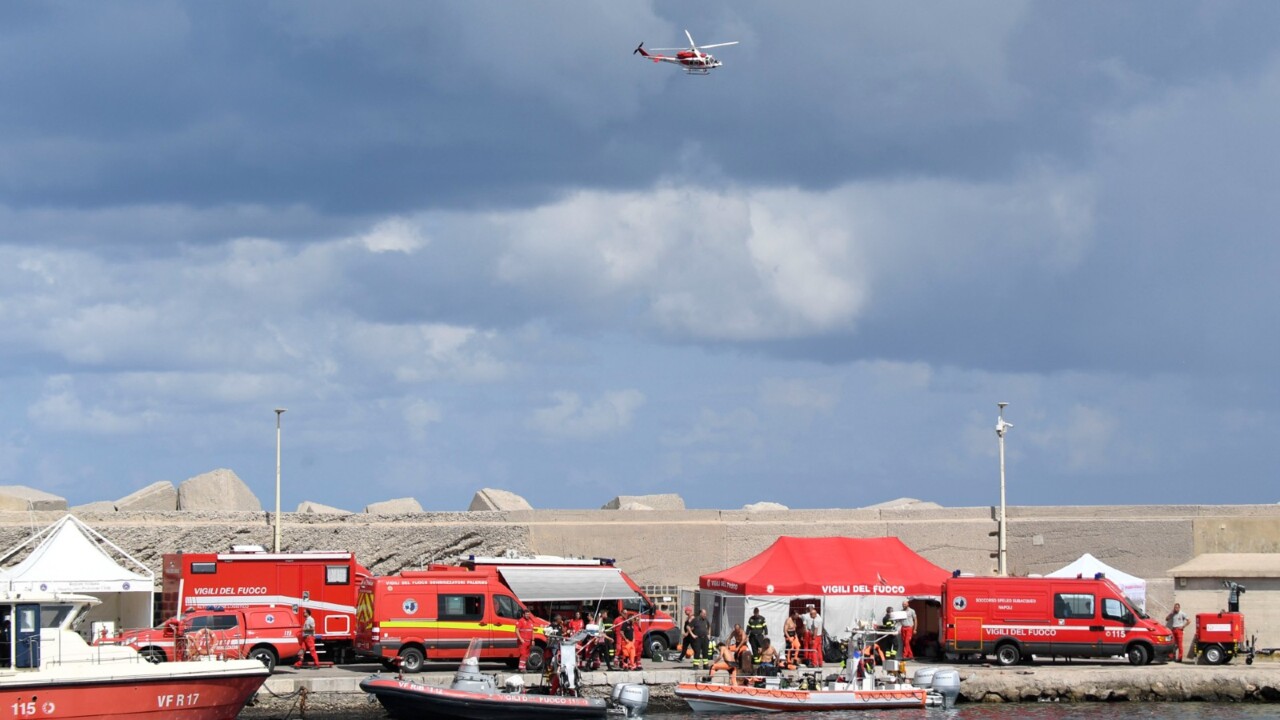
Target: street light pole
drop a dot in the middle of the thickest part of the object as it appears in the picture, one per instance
(279, 412)
(1002, 567)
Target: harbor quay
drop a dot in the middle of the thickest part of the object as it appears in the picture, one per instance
(1109, 680)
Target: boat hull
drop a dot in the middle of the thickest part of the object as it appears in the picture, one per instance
(710, 697)
(402, 699)
(210, 697)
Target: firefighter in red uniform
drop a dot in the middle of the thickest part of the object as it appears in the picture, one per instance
(524, 637)
(308, 640)
(628, 649)
(813, 627)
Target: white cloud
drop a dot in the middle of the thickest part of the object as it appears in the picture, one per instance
(393, 235)
(750, 265)
(414, 353)
(810, 395)
(60, 409)
(570, 418)
(419, 414)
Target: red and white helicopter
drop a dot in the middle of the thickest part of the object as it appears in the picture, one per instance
(692, 59)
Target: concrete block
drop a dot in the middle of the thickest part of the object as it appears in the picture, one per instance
(764, 507)
(22, 498)
(901, 503)
(399, 506)
(100, 506)
(217, 490)
(634, 506)
(663, 677)
(314, 508)
(493, 499)
(667, 501)
(156, 496)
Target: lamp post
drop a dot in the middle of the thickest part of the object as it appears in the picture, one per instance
(279, 412)
(1002, 567)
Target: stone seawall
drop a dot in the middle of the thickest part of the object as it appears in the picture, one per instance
(337, 694)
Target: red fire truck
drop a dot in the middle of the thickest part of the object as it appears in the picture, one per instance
(325, 582)
(552, 585)
(1014, 618)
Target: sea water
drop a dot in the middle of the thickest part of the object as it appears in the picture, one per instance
(1033, 711)
(1010, 711)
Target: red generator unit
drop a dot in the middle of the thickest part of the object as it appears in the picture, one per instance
(1220, 637)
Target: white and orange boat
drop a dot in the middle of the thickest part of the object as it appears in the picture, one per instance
(720, 697)
(870, 688)
(47, 670)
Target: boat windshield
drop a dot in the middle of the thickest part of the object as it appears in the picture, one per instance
(53, 616)
(472, 655)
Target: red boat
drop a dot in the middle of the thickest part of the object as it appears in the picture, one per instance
(47, 670)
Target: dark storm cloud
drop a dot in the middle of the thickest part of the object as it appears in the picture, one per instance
(403, 105)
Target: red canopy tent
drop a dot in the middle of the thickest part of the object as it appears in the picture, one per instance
(851, 579)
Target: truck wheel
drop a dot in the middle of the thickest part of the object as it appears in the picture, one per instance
(1138, 655)
(152, 654)
(537, 660)
(1008, 654)
(1215, 655)
(658, 646)
(266, 656)
(411, 659)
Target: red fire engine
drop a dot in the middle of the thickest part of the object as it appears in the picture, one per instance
(325, 582)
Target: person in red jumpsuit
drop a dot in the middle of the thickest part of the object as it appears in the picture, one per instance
(625, 648)
(524, 637)
(308, 640)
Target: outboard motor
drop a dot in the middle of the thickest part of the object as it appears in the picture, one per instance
(568, 665)
(923, 678)
(946, 682)
(631, 696)
(470, 678)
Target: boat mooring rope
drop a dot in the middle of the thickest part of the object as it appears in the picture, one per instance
(300, 705)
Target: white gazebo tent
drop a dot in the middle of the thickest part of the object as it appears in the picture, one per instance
(70, 556)
(1134, 588)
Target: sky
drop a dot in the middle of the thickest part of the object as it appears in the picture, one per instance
(484, 245)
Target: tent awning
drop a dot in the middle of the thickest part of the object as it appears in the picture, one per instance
(543, 584)
(71, 558)
(831, 566)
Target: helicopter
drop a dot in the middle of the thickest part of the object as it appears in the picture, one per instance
(692, 59)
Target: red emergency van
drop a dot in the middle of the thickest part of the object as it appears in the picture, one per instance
(1015, 618)
(421, 616)
(266, 634)
(552, 585)
(325, 582)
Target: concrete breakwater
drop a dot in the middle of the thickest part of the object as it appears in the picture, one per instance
(674, 547)
(1105, 681)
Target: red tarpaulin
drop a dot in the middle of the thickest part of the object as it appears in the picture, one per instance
(795, 566)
